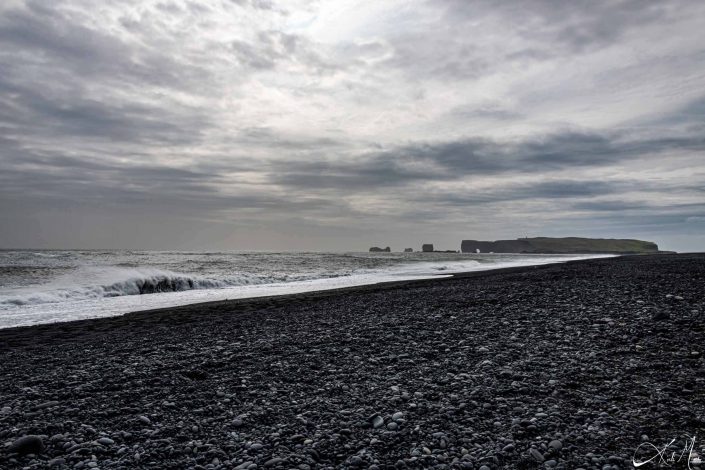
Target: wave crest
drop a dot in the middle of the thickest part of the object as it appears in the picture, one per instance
(119, 282)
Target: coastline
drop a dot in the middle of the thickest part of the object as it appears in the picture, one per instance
(112, 290)
(568, 359)
(252, 302)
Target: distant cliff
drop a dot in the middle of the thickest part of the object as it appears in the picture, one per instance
(560, 245)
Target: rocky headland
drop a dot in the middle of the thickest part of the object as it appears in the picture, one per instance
(550, 245)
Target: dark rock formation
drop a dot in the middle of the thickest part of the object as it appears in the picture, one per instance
(560, 245)
(427, 247)
(376, 249)
(408, 250)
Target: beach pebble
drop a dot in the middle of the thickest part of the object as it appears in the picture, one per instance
(27, 445)
(536, 455)
(555, 444)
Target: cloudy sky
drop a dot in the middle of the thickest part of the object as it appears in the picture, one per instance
(337, 125)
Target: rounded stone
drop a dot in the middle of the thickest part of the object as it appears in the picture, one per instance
(538, 456)
(555, 444)
(27, 445)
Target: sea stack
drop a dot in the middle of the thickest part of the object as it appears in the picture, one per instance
(408, 250)
(427, 247)
(376, 249)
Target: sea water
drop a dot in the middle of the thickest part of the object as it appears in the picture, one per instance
(55, 286)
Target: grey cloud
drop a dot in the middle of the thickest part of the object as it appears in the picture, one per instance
(578, 25)
(456, 160)
(60, 183)
(553, 190)
(31, 112)
(545, 29)
(57, 43)
(489, 111)
(156, 110)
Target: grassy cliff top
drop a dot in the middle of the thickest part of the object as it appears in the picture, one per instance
(568, 244)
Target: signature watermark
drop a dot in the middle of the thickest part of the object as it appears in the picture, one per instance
(677, 453)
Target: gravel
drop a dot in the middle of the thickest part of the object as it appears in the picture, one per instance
(565, 366)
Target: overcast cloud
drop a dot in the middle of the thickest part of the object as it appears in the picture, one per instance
(256, 124)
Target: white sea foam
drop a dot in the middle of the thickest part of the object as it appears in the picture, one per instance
(117, 282)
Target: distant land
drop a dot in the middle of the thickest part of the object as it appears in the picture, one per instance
(546, 245)
(561, 245)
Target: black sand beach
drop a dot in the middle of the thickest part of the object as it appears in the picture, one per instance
(562, 366)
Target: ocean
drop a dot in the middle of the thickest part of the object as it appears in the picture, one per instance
(56, 286)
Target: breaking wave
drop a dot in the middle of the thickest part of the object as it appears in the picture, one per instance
(138, 281)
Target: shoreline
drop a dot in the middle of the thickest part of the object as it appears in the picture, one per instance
(251, 302)
(27, 306)
(565, 366)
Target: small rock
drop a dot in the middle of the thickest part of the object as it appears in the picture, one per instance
(660, 315)
(27, 445)
(555, 444)
(143, 419)
(392, 426)
(106, 441)
(377, 422)
(536, 455)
